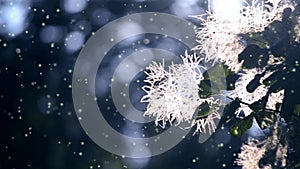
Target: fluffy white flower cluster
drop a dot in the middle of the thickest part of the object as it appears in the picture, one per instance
(297, 30)
(253, 151)
(219, 41)
(218, 37)
(251, 154)
(172, 94)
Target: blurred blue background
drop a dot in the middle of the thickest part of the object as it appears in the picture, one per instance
(39, 43)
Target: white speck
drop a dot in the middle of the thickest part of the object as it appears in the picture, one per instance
(146, 41)
(18, 50)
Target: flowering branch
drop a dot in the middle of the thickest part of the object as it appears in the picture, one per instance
(260, 45)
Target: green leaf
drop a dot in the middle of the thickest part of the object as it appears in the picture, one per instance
(208, 88)
(253, 84)
(203, 109)
(230, 81)
(259, 105)
(232, 107)
(242, 126)
(255, 38)
(268, 82)
(265, 119)
(297, 165)
(276, 87)
(204, 89)
(216, 75)
(274, 77)
(253, 57)
(297, 109)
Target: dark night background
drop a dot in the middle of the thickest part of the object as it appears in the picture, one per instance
(39, 43)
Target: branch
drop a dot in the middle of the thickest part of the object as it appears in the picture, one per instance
(263, 109)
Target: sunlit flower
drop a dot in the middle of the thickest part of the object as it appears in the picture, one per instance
(251, 153)
(273, 143)
(172, 94)
(218, 38)
(297, 30)
(254, 150)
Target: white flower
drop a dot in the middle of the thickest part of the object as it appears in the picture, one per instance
(254, 150)
(218, 37)
(251, 154)
(297, 30)
(172, 95)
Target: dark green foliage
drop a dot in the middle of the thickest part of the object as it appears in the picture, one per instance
(278, 39)
(231, 77)
(217, 75)
(253, 57)
(259, 105)
(297, 109)
(230, 81)
(232, 107)
(242, 126)
(253, 84)
(274, 77)
(203, 110)
(207, 88)
(265, 119)
(214, 81)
